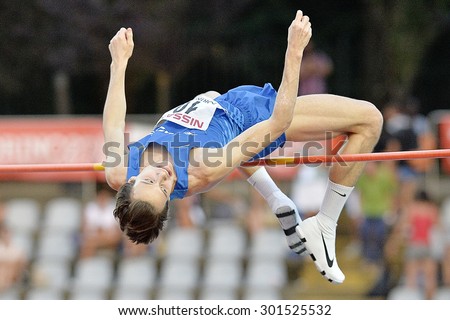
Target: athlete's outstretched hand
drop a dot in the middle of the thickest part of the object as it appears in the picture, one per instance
(121, 46)
(299, 32)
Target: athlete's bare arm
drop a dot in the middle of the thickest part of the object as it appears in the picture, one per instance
(255, 139)
(121, 49)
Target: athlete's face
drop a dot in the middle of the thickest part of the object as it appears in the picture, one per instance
(154, 185)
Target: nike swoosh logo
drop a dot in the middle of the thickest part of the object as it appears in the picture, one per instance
(341, 194)
(329, 261)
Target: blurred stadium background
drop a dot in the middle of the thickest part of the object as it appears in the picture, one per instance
(54, 68)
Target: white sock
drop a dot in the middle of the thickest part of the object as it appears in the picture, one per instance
(283, 207)
(267, 188)
(333, 202)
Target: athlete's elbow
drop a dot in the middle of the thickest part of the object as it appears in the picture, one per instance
(283, 112)
(209, 173)
(278, 125)
(114, 179)
(114, 183)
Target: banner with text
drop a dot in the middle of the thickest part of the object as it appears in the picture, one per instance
(51, 140)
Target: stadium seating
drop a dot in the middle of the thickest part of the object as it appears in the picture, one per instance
(135, 276)
(212, 263)
(184, 242)
(62, 214)
(402, 292)
(56, 245)
(22, 215)
(222, 274)
(268, 243)
(94, 274)
(226, 241)
(442, 293)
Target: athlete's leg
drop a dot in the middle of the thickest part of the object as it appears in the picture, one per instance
(315, 116)
(361, 121)
(283, 207)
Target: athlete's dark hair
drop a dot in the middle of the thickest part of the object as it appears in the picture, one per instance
(138, 219)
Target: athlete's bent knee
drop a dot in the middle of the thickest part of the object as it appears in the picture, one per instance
(374, 121)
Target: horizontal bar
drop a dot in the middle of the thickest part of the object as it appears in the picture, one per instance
(68, 167)
(309, 159)
(343, 158)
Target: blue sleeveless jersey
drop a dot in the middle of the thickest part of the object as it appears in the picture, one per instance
(243, 107)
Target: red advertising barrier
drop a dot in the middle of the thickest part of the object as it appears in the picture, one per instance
(51, 140)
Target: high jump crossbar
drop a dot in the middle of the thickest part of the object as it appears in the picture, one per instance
(359, 157)
(309, 159)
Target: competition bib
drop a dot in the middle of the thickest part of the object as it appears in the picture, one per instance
(195, 114)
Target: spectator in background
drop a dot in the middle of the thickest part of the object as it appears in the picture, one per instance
(392, 263)
(445, 238)
(189, 212)
(315, 69)
(412, 131)
(393, 269)
(398, 125)
(256, 210)
(130, 249)
(445, 263)
(99, 228)
(425, 136)
(12, 258)
(421, 218)
(377, 188)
